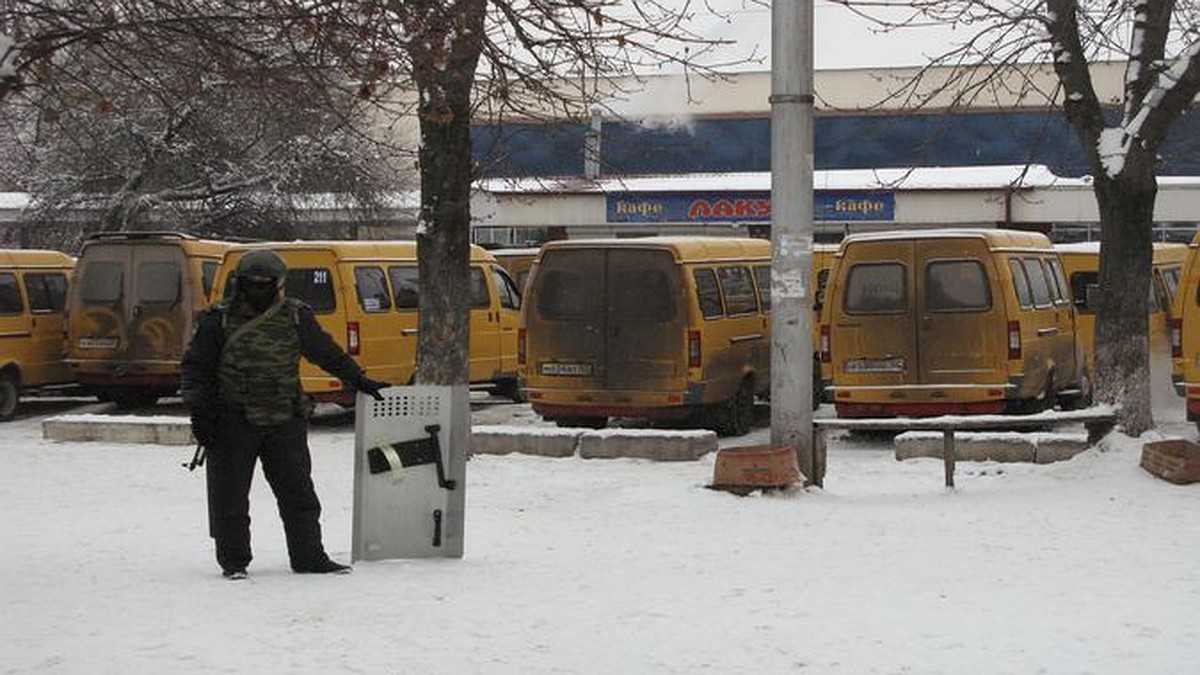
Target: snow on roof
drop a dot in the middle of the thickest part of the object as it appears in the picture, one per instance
(914, 178)
(1079, 247)
(14, 200)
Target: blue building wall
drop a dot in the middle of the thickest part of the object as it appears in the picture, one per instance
(841, 142)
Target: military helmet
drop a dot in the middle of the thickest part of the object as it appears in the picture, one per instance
(262, 263)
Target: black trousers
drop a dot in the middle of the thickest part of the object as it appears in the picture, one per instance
(287, 465)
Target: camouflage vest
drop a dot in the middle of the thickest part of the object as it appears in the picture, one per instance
(259, 371)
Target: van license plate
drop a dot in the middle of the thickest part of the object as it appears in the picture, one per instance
(892, 365)
(98, 343)
(567, 369)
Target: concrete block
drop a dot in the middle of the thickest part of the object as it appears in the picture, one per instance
(118, 429)
(661, 445)
(993, 446)
(1008, 446)
(1059, 447)
(541, 441)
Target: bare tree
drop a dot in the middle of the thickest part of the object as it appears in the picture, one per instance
(444, 61)
(1007, 41)
(468, 58)
(149, 125)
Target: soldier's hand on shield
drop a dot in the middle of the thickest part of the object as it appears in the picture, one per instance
(368, 386)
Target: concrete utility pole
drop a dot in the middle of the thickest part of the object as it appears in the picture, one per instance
(792, 231)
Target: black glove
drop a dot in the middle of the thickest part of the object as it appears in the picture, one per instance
(204, 428)
(368, 386)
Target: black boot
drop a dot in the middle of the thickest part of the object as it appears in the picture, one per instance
(322, 565)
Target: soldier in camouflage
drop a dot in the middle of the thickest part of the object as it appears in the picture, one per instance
(241, 381)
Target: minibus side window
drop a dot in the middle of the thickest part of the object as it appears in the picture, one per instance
(956, 286)
(876, 288)
(477, 294)
(158, 283)
(1170, 278)
(102, 282)
(1083, 284)
(762, 279)
(510, 298)
(10, 294)
(371, 289)
(1038, 282)
(313, 285)
(641, 295)
(1060, 283)
(819, 294)
(404, 286)
(738, 290)
(1021, 283)
(1154, 301)
(208, 273)
(47, 291)
(708, 295)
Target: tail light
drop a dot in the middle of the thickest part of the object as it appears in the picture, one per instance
(1014, 340)
(826, 353)
(520, 346)
(693, 347)
(1177, 338)
(352, 342)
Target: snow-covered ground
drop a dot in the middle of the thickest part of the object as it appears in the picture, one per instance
(613, 566)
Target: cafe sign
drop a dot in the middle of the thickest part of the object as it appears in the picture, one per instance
(742, 207)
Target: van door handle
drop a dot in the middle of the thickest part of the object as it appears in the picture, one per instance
(745, 338)
(1052, 330)
(408, 332)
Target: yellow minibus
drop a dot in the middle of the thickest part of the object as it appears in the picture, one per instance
(1185, 334)
(365, 294)
(33, 299)
(655, 327)
(132, 309)
(951, 321)
(1081, 264)
(517, 262)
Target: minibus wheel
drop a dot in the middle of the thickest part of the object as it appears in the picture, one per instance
(510, 388)
(1081, 400)
(10, 395)
(135, 397)
(733, 419)
(582, 422)
(1050, 398)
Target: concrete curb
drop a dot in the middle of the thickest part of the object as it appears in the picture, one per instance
(505, 440)
(663, 446)
(1008, 446)
(118, 429)
(653, 444)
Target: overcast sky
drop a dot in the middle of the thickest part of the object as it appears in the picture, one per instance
(841, 39)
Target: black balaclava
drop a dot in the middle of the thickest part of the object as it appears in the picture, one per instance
(260, 275)
(258, 295)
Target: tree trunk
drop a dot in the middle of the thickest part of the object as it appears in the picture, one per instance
(444, 80)
(1122, 365)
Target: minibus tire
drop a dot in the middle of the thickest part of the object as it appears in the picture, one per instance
(1050, 398)
(133, 397)
(510, 388)
(1080, 401)
(10, 396)
(733, 419)
(581, 422)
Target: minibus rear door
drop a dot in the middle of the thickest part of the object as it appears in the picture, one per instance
(875, 336)
(156, 316)
(961, 325)
(646, 328)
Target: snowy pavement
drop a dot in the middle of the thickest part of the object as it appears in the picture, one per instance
(613, 566)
